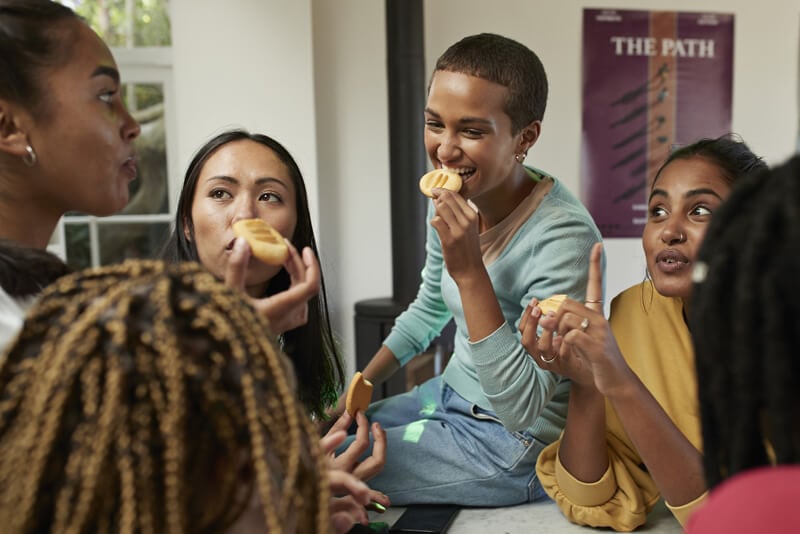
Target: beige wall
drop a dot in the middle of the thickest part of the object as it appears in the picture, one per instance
(312, 73)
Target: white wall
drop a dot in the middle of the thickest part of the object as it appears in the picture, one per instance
(353, 145)
(252, 63)
(246, 64)
(764, 79)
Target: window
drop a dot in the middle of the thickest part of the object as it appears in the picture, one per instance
(138, 32)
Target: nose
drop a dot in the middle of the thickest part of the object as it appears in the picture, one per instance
(244, 208)
(448, 148)
(130, 129)
(672, 234)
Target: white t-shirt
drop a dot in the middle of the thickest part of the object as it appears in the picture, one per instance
(12, 315)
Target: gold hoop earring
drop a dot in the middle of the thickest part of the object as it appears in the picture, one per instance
(29, 158)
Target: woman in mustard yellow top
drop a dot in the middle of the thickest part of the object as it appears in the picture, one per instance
(633, 430)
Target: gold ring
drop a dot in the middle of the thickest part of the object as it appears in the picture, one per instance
(551, 360)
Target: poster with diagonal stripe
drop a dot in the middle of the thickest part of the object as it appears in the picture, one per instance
(652, 80)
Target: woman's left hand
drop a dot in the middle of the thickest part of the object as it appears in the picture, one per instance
(288, 309)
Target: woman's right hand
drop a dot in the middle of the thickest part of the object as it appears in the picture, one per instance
(288, 309)
(350, 495)
(584, 347)
(350, 459)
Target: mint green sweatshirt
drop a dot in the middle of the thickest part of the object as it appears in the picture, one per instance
(547, 255)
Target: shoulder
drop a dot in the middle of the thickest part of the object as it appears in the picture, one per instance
(640, 314)
(758, 500)
(561, 210)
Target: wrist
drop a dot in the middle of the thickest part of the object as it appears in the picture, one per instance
(625, 388)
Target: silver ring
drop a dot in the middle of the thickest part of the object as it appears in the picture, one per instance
(584, 324)
(551, 360)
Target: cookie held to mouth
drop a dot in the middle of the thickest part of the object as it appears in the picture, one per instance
(265, 241)
(439, 178)
(359, 394)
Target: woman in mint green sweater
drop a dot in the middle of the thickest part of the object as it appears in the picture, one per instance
(472, 435)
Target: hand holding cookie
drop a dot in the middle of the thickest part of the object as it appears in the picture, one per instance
(287, 309)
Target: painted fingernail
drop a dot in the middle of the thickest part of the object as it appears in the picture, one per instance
(376, 507)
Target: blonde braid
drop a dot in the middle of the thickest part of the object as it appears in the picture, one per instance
(133, 399)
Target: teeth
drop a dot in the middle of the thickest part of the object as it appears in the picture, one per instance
(459, 170)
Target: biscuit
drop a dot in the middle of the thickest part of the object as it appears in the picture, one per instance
(551, 304)
(439, 178)
(359, 394)
(265, 241)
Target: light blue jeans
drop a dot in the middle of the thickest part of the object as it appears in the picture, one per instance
(443, 449)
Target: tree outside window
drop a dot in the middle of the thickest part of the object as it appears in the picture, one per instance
(126, 23)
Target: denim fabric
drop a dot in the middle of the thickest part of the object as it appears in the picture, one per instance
(443, 449)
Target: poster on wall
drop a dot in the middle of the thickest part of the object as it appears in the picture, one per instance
(652, 81)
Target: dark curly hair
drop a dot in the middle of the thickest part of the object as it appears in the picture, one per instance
(744, 320)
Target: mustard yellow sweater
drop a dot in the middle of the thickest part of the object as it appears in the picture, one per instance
(655, 341)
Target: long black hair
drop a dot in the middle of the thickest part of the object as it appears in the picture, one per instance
(745, 321)
(25, 271)
(311, 347)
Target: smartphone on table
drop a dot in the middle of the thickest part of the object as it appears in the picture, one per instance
(425, 519)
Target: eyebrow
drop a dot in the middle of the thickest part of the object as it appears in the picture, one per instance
(102, 70)
(463, 120)
(232, 180)
(688, 194)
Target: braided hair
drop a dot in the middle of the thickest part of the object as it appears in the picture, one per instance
(144, 397)
(744, 320)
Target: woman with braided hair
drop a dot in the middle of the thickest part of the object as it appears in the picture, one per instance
(142, 397)
(744, 319)
(632, 434)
